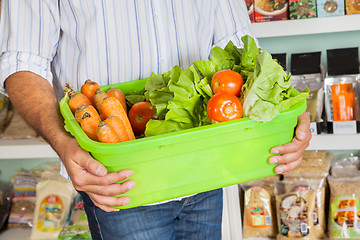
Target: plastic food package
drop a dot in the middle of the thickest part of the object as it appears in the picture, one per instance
(24, 197)
(318, 184)
(259, 208)
(295, 211)
(344, 209)
(77, 227)
(345, 165)
(6, 189)
(54, 196)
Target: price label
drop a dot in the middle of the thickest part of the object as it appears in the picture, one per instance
(344, 127)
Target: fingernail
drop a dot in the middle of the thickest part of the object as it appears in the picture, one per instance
(273, 160)
(279, 170)
(129, 174)
(274, 151)
(301, 135)
(126, 201)
(131, 185)
(101, 170)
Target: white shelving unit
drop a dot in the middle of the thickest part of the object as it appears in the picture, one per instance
(306, 26)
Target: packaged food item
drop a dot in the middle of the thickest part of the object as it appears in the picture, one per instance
(352, 6)
(250, 8)
(307, 72)
(55, 194)
(301, 9)
(77, 227)
(267, 10)
(314, 162)
(345, 165)
(330, 8)
(316, 182)
(295, 210)
(344, 209)
(259, 208)
(342, 103)
(6, 190)
(24, 197)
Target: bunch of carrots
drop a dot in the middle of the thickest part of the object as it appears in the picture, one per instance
(101, 115)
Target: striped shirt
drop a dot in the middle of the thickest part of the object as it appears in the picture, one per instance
(112, 41)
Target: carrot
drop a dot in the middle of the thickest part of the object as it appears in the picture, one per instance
(98, 98)
(110, 106)
(88, 89)
(79, 112)
(75, 99)
(119, 95)
(89, 125)
(106, 133)
(119, 127)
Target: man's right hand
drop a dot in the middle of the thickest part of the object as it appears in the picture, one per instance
(90, 176)
(35, 100)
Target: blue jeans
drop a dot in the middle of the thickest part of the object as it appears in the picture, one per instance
(196, 217)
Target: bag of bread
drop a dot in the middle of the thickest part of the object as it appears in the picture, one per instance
(54, 197)
(23, 198)
(295, 211)
(259, 219)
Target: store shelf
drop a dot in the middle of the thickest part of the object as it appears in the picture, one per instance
(25, 148)
(335, 142)
(306, 26)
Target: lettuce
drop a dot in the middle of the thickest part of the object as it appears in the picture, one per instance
(267, 91)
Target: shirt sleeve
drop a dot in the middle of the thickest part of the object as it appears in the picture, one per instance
(231, 23)
(29, 33)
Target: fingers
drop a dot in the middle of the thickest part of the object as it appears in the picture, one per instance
(289, 155)
(106, 202)
(286, 168)
(112, 189)
(303, 128)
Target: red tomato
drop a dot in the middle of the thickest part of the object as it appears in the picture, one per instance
(139, 114)
(224, 107)
(227, 81)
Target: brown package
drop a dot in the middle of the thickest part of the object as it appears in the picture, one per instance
(295, 210)
(259, 219)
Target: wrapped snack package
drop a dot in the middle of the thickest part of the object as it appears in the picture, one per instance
(24, 197)
(55, 195)
(295, 211)
(77, 227)
(318, 184)
(259, 208)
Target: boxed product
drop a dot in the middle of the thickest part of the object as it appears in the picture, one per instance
(300, 9)
(352, 6)
(330, 8)
(250, 8)
(342, 91)
(267, 10)
(307, 72)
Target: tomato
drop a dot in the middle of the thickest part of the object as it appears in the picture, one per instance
(224, 107)
(139, 114)
(227, 81)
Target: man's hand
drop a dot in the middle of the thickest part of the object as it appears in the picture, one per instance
(90, 176)
(289, 156)
(35, 100)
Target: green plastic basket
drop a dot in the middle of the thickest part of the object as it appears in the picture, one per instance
(190, 161)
